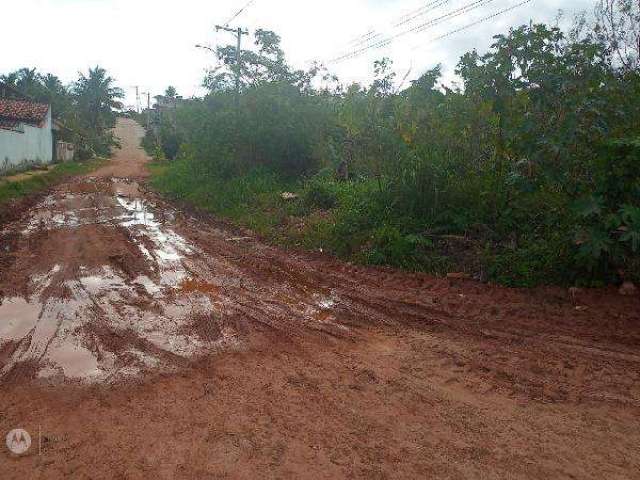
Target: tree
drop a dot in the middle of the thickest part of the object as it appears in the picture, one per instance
(97, 98)
(384, 77)
(266, 65)
(29, 82)
(618, 27)
(41, 88)
(56, 94)
(26, 80)
(10, 79)
(171, 92)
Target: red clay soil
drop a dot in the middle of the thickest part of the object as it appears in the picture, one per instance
(138, 341)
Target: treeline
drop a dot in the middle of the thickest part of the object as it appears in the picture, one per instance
(526, 173)
(86, 108)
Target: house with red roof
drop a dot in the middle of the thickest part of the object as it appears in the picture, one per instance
(26, 136)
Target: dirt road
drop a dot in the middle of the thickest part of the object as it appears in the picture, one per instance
(141, 341)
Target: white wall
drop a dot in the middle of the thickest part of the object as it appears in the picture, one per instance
(19, 150)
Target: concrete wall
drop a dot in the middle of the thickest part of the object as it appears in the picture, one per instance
(32, 145)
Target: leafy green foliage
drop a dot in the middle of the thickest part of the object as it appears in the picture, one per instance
(85, 108)
(320, 194)
(533, 160)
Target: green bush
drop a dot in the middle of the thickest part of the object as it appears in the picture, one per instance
(389, 246)
(321, 194)
(532, 160)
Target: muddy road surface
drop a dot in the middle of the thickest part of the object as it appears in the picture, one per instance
(140, 340)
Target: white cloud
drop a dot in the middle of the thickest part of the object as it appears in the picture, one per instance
(151, 42)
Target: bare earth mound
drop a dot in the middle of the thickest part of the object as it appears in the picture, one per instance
(138, 341)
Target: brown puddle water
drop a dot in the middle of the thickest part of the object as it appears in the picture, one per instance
(108, 315)
(132, 293)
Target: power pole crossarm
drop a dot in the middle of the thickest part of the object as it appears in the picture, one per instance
(232, 30)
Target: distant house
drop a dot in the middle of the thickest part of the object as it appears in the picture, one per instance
(26, 136)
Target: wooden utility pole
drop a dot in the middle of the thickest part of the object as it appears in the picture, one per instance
(148, 94)
(238, 32)
(137, 98)
(151, 127)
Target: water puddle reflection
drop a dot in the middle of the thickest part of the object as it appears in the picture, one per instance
(17, 318)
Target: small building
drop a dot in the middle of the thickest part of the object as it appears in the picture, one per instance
(65, 152)
(26, 136)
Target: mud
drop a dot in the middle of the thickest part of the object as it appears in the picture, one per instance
(145, 342)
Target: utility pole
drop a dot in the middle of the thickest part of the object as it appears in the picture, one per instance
(137, 99)
(149, 109)
(149, 126)
(148, 94)
(238, 32)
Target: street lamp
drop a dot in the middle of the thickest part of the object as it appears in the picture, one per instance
(206, 48)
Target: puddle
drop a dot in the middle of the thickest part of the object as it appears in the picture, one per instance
(87, 205)
(138, 214)
(63, 211)
(70, 338)
(124, 187)
(169, 248)
(42, 281)
(149, 285)
(17, 318)
(106, 281)
(58, 333)
(73, 361)
(326, 303)
(108, 322)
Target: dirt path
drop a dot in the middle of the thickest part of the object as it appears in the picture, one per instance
(143, 342)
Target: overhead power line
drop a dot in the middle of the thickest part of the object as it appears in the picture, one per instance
(363, 37)
(366, 40)
(419, 28)
(374, 35)
(414, 12)
(239, 12)
(420, 12)
(387, 41)
(453, 14)
(477, 22)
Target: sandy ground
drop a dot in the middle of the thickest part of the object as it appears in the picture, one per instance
(139, 340)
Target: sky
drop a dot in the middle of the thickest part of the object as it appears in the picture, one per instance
(151, 43)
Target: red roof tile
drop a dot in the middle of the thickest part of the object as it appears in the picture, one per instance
(23, 111)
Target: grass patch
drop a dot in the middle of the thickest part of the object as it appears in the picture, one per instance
(252, 200)
(10, 190)
(351, 220)
(358, 221)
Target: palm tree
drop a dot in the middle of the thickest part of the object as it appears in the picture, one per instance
(29, 82)
(97, 97)
(10, 79)
(26, 80)
(52, 84)
(56, 94)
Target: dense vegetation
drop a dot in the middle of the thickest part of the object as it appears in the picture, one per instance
(86, 109)
(526, 173)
